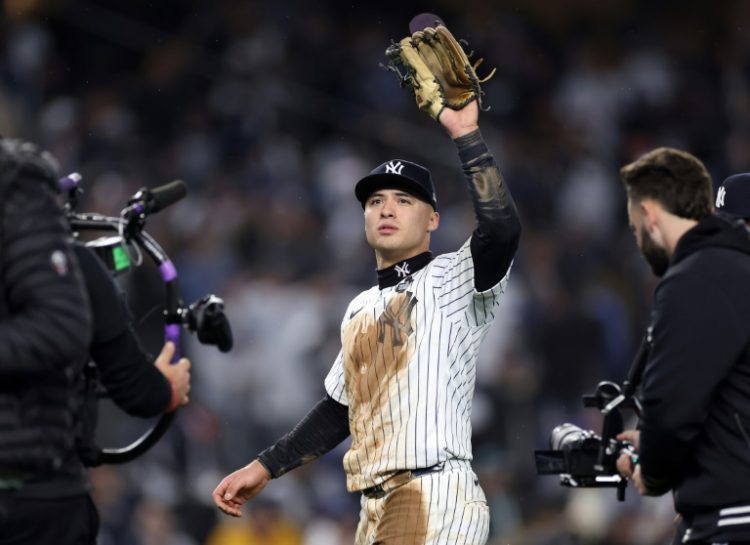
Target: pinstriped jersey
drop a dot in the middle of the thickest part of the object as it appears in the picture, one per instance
(407, 368)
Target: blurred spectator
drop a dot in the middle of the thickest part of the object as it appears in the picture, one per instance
(155, 525)
(266, 525)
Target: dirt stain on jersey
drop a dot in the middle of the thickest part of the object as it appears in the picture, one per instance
(375, 352)
(404, 520)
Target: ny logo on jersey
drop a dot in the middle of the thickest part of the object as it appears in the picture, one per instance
(397, 317)
(720, 197)
(402, 271)
(394, 168)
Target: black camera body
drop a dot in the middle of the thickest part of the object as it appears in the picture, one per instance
(205, 317)
(584, 459)
(581, 457)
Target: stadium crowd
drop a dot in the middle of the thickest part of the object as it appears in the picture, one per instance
(270, 112)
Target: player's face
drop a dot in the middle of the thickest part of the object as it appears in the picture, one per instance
(398, 225)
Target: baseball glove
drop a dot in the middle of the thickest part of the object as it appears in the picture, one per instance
(437, 69)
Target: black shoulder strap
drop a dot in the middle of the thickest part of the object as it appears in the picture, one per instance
(635, 373)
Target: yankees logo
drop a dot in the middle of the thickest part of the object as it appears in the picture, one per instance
(394, 168)
(402, 270)
(397, 317)
(720, 197)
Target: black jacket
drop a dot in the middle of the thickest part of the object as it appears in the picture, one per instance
(45, 325)
(695, 427)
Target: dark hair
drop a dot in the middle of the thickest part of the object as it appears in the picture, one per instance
(674, 178)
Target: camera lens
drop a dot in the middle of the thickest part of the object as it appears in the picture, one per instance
(566, 435)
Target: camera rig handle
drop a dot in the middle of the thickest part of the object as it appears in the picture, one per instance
(610, 400)
(130, 228)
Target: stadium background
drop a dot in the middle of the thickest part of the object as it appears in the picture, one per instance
(270, 111)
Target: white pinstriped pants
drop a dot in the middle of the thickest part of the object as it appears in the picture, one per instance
(445, 508)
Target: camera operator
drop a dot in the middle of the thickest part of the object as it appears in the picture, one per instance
(43, 486)
(45, 330)
(695, 387)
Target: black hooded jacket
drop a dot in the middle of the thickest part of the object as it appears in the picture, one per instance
(45, 328)
(695, 427)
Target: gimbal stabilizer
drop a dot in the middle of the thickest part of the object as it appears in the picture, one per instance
(205, 317)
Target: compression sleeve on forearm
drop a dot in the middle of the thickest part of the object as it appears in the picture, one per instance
(324, 427)
(495, 240)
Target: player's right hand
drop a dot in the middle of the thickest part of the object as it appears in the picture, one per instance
(178, 374)
(238, 487)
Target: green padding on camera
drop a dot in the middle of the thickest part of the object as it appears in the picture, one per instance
(121, 259)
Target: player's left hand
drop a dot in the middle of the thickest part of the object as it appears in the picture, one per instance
(460, 122)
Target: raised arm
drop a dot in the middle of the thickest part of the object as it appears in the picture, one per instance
(495, 239)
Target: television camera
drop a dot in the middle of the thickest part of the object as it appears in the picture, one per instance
(585, 459)
(121, 250)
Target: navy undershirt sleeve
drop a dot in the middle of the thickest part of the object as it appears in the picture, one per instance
(322, 429)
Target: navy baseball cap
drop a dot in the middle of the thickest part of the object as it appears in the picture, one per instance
(398, 174)
(733, 197)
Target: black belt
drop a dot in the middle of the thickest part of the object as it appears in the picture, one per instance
(398, 479)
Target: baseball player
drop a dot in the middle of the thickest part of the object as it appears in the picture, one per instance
(403, 382)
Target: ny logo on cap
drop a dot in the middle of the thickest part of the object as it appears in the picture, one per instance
(720, 197)
(394, 168)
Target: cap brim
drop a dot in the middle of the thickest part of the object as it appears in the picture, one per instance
(729, 216)
(371, 183)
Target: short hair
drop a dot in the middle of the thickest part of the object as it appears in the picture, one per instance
(674, 178)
